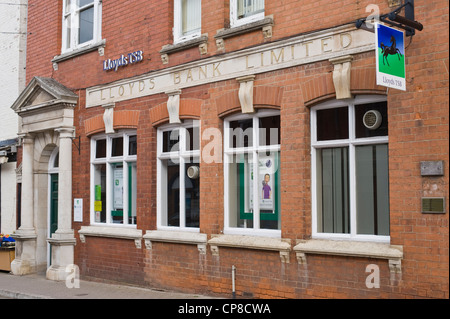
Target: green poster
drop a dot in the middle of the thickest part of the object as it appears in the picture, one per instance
(98, 192)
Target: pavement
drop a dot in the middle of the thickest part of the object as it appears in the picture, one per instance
(36, 286)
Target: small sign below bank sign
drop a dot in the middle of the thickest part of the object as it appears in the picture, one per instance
(390, 57)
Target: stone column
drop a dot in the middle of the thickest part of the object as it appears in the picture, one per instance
(25, 260)
(63, 240)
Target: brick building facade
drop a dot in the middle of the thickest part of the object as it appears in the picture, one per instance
(341, 214)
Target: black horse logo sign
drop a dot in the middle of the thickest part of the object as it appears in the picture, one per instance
(390, 50)
(390, 71)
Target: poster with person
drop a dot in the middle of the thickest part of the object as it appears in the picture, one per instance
(265, 182)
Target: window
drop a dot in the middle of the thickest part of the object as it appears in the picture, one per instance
(246, 11)
(350, 170)
(187, 19)
(81, 23)
(251, 173)
(178, 176)
(114, 179)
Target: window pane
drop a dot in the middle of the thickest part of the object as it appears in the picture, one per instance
(247, 8)
(132, 193)
(132, 145)
(372, 190)
(82, 3)
(361, 129)
(86, 25)
(333, 189)
(170, 180)
(332, 124)
(192, 193)
(117, 193)
(100, 149)
(117, 146)
(269, 130)
(193, 139)
(100, 193)
(241, 133)
(170, 141)
(191, 16)
(240, 191)
(269, 190)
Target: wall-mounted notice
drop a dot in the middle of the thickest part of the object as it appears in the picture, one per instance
(78, 210)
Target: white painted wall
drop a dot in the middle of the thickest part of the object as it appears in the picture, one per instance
(13, 24)
(12, 68)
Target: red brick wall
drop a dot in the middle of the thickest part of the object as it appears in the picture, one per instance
(418, 131)
(146, 26)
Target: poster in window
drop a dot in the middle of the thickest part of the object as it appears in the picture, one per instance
(266, 182)
(98, 202)
(118, 187)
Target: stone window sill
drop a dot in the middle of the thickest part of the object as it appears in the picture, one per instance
(392, 253)
(265, 25)
(80, 51)
(283, 246)
(111, 232)
(201, 42)
(179, 237)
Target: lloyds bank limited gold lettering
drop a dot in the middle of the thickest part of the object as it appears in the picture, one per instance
(267, 58)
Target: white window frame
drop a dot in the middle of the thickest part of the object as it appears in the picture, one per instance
(253, 150)
(181, 155)
(178, 25)
(108, 160)
(351, 143)
(73, 13)
(235, 21)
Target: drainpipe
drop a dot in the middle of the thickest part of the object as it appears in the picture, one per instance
(233, 278)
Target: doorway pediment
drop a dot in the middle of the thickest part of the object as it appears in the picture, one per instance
(42, 93)
(45, 104)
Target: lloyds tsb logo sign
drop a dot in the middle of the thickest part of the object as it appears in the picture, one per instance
(125, 59)
(390, 56)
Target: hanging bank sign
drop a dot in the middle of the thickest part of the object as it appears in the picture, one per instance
(390, 57)
(304, 49)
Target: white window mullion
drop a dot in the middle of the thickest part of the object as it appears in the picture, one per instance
(161, 200)
(109, 192)
(182, 192)
(177, 23)
(352, 190)
(125, 197)
(352, 168)
(314, 191)
(75, 26)
(97, 20)
(256, 195)
(92, 188)
(227, 159)
(256, 213)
